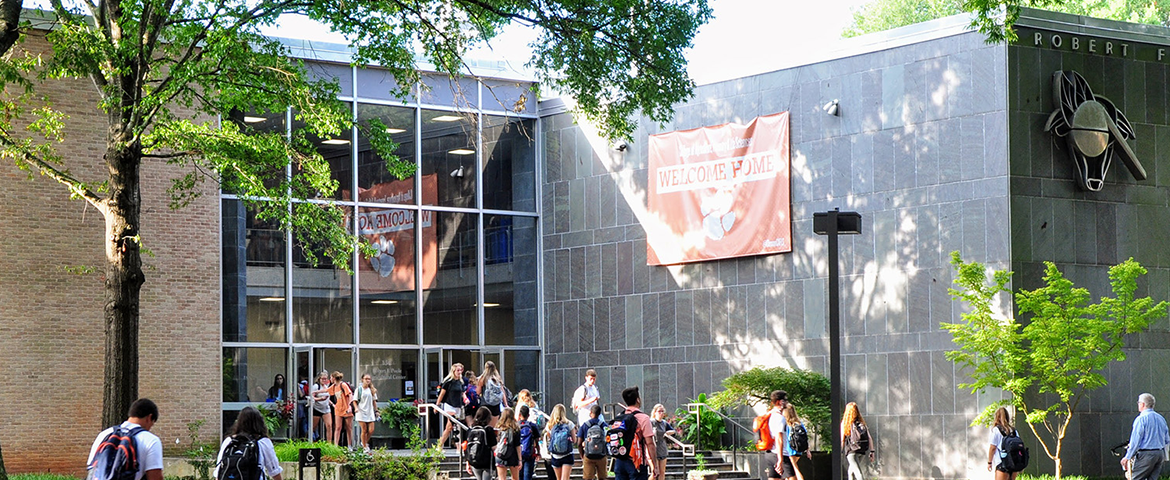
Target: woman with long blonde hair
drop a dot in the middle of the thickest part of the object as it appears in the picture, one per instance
(451, 397)
(662, 428)
(560, 438)
(1002, 428)
(491, 390)
(791, 421)
(509, 434)
(855, 440)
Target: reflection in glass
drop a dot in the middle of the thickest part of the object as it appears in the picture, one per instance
(509, 163)
(509, 96)
(253, 276)
(386, 280)
(337, 150)
(509, 289)
(322, 305)
(444, 91)
(448, 155)
(372, 172)
(380, 84)
(393, 372)
(271, 122)
(248, 372)
(342, 74)
(449, 313)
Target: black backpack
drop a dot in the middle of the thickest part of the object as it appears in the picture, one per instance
(798, 439)
(594, 442)
(1013, 455)
(859, 436)
(479, 455)
(240, 461)
(502, 441)
(117, 456)
(622, 438)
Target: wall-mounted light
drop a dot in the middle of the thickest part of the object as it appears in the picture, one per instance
(457, 173)
(335, 141)
(833, 108)
(251, 119)
(271, 299)
(461, 151)
(447, 118)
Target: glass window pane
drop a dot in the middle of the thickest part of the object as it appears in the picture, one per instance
(253, 276)
(448, 155)
(387, 280)
(341, 73)
(372, 172)
(392, 372)
(273, 122)
(338, 152)
(509, 289)
(322, 305)
(445, 91)
(380, 84)
(509, 96)
(248, 372)
(449, 281)
(521, 370)
(509, 163)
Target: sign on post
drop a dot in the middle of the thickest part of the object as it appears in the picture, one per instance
(308, 457)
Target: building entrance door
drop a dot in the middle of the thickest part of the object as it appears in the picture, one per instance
(310, 363)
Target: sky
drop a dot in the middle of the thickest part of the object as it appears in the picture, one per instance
(745, 37)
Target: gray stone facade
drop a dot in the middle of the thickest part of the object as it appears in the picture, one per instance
(940, 146)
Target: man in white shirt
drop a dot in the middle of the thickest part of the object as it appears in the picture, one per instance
(143, 413)
(774, 464)
(586, 397)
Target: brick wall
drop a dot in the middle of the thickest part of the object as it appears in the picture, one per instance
(51, 321)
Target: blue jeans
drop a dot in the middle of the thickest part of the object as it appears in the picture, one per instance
(624, 470)
(527, 468)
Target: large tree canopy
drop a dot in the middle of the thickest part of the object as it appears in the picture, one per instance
(996, 17)
(166, 70)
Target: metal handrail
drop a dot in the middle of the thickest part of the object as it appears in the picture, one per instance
(422, 412)
(697, 408)
(613, 411)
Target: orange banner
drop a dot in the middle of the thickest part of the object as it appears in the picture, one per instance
(719, 192)
(392, 232)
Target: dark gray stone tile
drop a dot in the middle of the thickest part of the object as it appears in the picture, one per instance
(899, 383)
(564, 281)
(971, 147)
(667, 321)
(815, 308)
(942, 381)
(999, 239)
(918, 300)
(1155, 106)
(950, 158)
(720, 323)
(905, 169)
(684, 311)
(562, 222)
(920, 382)
(794, 309)
(870, 111)
(641, 272)
(877, 399)
(577, 205)
(633, 322)
(1064, 234)
(577, 260)
(1135, 92)
(601, 325)
(651, 332)
(737, 314)
(975, 230)
(572, 325)
(702, 317)
(585, 327)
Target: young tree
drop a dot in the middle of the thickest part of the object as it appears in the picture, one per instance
(165, 70)
(807, 390)
(1049, 362)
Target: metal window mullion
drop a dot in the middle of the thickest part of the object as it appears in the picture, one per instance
(288, 245)
(418, 245)
(355, 257)
(540, 321)
(479, 247)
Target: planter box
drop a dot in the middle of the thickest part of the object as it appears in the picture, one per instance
(180, 467)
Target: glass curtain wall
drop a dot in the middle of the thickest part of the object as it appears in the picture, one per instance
(455, 275)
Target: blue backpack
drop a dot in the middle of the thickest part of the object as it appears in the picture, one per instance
(472, 397)
(117, 456)
(561, 441)
(527, 441)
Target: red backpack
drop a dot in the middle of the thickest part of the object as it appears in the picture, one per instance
(764, 439)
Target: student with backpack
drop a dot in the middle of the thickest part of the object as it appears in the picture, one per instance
(247, 453)
(342, 396)
(365, 402)
(507, 451)
(560, 436)
(529, 438)
(591, 435)
(769, 428)
(586, 396)
(631, 440)
(855, 441)
(481, 442)
(491, 390)
(108, 462)
(796, 440)
(662, 428)
(451, 398)
(470, 396)
(1007, 455)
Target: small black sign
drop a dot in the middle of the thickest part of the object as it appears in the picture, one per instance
(309, 457)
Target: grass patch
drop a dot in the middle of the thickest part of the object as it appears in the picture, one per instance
(288, 451)
(40, 476)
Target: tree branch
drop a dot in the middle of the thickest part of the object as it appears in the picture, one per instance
(46, 168)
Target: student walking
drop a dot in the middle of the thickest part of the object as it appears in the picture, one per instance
(1147, 441)
(451, 398)
(593, 446)
(855, 441)
(491, 390)
(792, 451)
(322, 407)
(366, 402)
(249, 427)
(636, 463)
(662, 428)
(480, 465)
(586, 396)
(774, 465)
(560, 438)
(508, 454)
(141, 418)
(342, 409)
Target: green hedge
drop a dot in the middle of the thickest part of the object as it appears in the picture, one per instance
(288, 451)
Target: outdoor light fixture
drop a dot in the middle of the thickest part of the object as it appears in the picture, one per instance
(394, 130)
(833, 108)
(335, 141)
(447, 118)
(384, 302)
(831, 224)
(251, 119)
(457, 173)
(461, 151)
(271, 299)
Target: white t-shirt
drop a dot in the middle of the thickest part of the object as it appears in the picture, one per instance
(268, 461)
(582, 393)
(776, 425)
(321, 400)
(996, 440)
(365, 409)
(149, 449)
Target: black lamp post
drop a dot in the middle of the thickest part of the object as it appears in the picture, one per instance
(833, 223)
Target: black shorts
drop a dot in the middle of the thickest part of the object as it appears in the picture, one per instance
(320, 414)
(560, 462)
(495, 409)
(767, 468)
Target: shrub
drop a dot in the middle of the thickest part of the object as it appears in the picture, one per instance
(383, 466)
(288, 451)
(808, 391)
(707, 433)
(40, 476)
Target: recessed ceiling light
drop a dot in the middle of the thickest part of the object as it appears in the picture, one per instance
(251, 119)
(271, 299)
(384, 302)
(489, 305)
(447, 118)
(335, 141)
(461, 151)
(395, 130)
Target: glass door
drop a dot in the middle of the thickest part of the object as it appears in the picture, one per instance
(302, 361)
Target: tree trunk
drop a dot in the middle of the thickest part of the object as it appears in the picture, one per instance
(9, 27)
(124, 278)
(3, 472)
(1057, 460)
